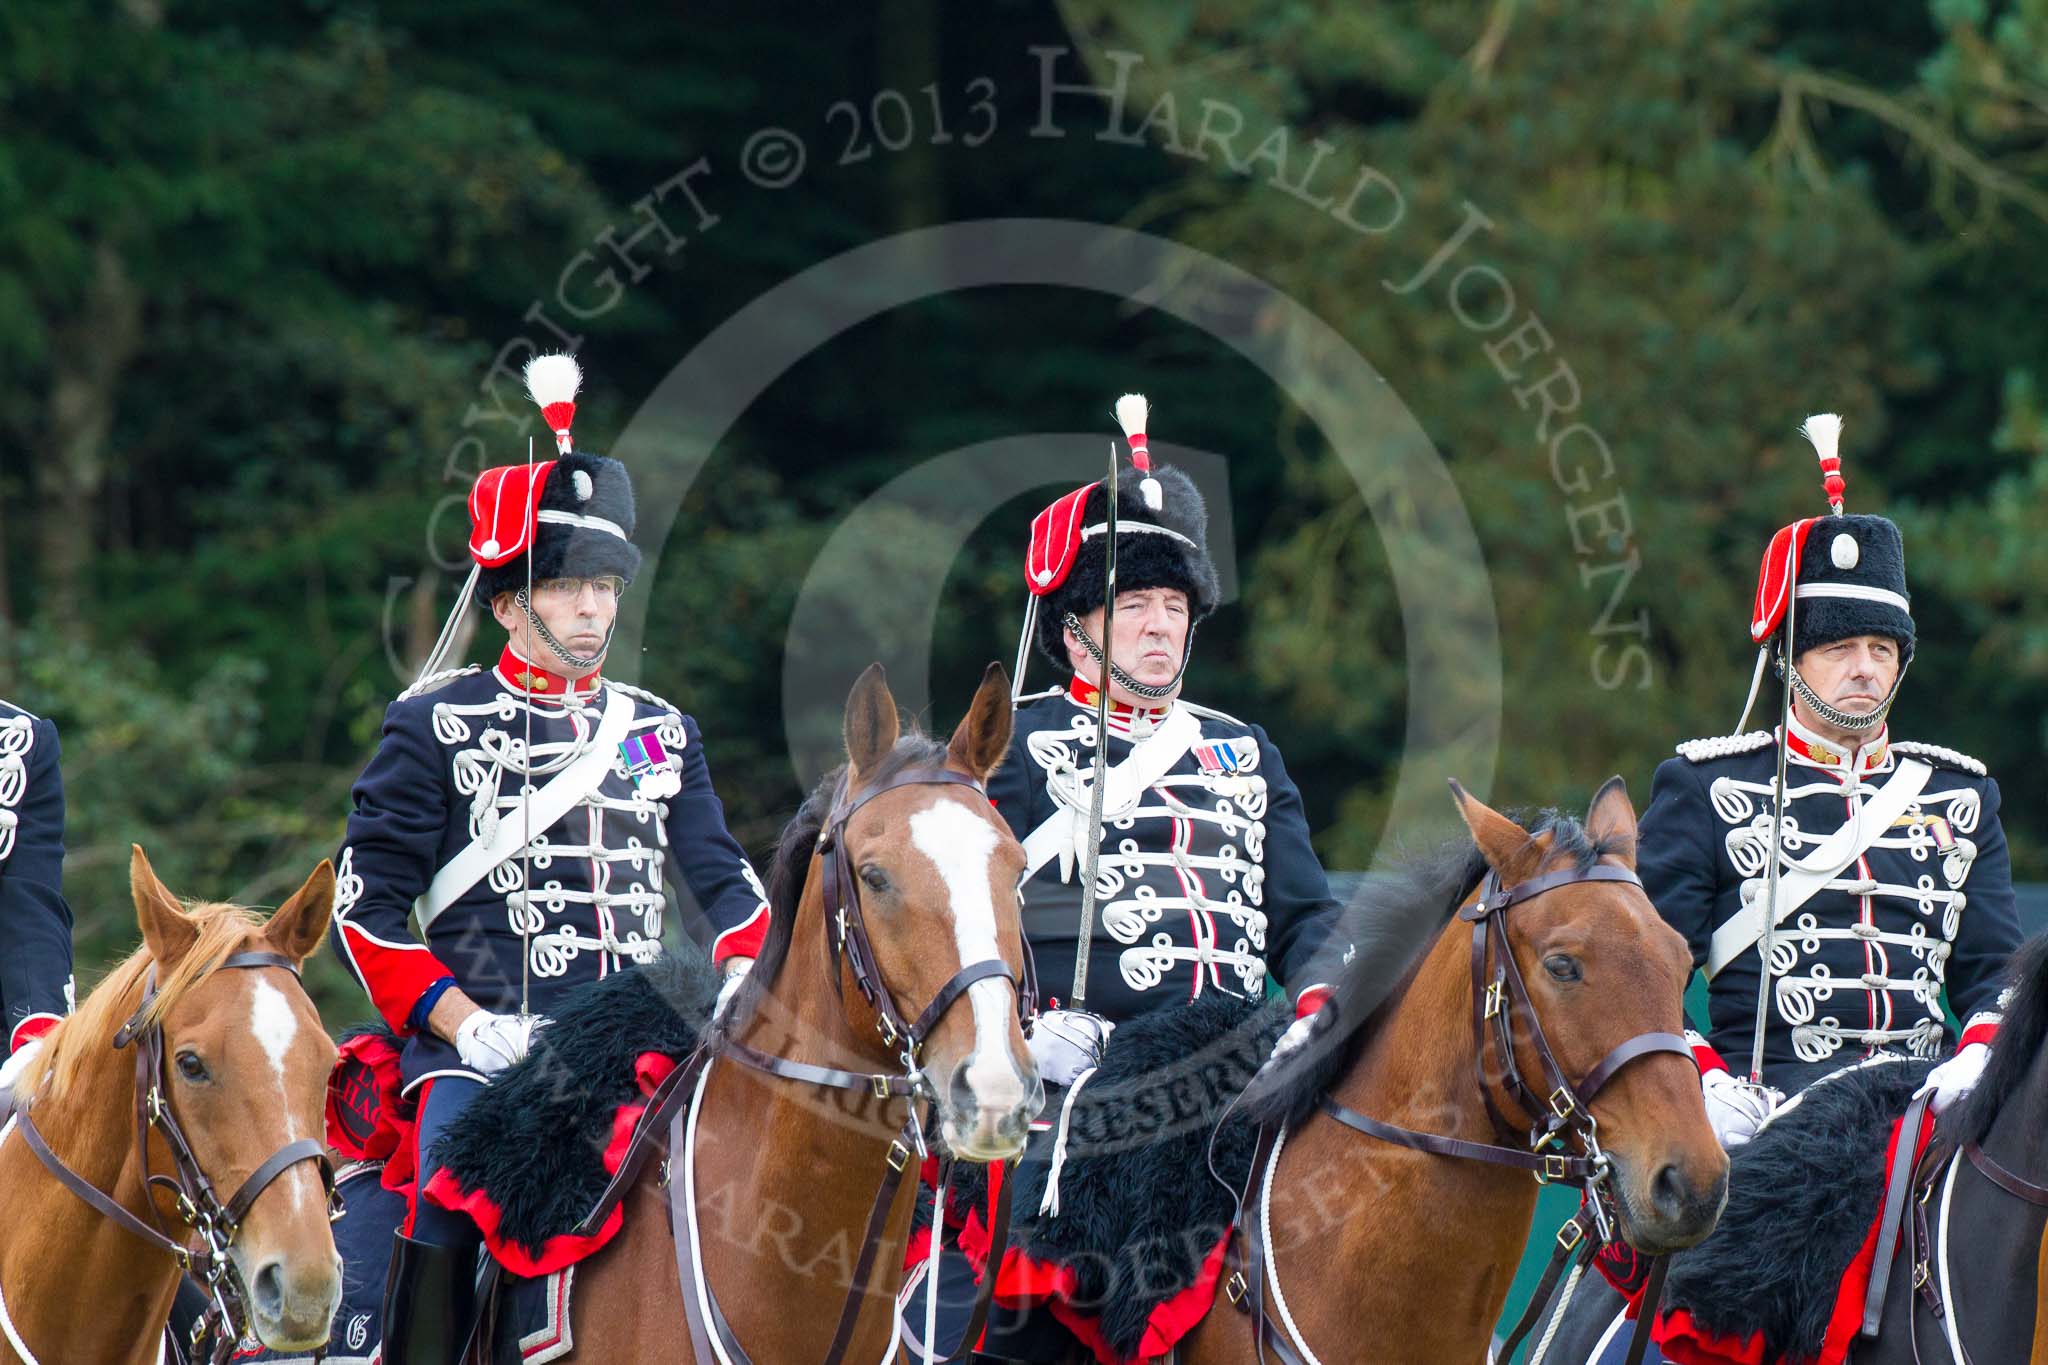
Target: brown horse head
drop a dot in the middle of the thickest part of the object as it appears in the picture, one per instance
(1601, 968)
(246, 1063)
(937, 873)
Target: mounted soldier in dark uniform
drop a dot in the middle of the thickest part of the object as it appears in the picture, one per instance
(531, 810)
(1893, 884)
(35, 924)
(1204, 878)
(1884, 858)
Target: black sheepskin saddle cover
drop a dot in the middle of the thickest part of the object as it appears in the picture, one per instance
(533, 1142)
(1138, 1209)
(1801, 1197)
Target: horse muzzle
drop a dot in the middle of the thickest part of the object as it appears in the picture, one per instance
(1669, 1206)
(986, 1110)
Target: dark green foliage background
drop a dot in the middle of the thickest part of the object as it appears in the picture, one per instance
(255, 261)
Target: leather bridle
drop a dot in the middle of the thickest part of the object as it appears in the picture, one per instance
(1559, 1114)
(848, 946)
(198, 1203)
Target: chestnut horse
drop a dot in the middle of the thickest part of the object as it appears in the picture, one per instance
(233, 1077)
(785, 1172)
(1384, 1252)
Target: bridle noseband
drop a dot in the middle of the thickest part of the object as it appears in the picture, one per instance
(847, 945)
(846, 930)
(199, 1205)
(1558, 1115)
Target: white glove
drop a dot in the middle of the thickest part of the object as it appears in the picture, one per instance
(1065, 1043)
(736, 969)
(1296, 1038)
(17, 1065)
(490, 1042)
(1955, 1077)
(1735, 1108)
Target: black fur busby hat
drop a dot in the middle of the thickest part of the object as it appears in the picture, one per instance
(1865, 556)
(582, 529)
(1157, 547)
(570, 517)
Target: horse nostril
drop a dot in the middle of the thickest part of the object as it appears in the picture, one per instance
(267, 1288)
(960, 1091)
(1670, 1193)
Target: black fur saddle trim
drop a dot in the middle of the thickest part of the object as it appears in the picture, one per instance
(533, 1140)
(1801, 1195)
(1138, 1208)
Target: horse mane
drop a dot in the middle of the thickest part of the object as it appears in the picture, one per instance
(791, 866)
(69, 1048)
(2020, 1038)
(1385, 933)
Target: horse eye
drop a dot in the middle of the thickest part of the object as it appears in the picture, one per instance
(190, 1067)
(1561, 967)
(875, 878)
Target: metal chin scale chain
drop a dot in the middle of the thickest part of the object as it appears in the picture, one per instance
(1124, 680)
(560, 650)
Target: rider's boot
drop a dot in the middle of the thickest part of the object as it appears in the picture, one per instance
(429, 1303)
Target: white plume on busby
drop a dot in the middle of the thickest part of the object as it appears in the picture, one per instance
(552, 382)
(1132, 412)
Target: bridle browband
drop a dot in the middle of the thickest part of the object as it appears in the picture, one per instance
(848, 950)
(199, 1205)
(1558, 1116)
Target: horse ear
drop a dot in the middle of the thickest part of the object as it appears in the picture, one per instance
(984, 736)
(1611, 819)
(301, 922)
(1505, 845)
(166, 930)
(872, 727)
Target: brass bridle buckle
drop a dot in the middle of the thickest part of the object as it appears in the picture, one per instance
(899, 1155)
(1235, 1288)
(1496, 999)
(1562, 1104)
(1555, 1168)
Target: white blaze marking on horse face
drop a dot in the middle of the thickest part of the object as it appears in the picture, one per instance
(960, 844)
(275, 1025)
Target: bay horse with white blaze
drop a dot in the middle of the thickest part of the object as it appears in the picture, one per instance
(198, 1067)
(807, 1089)
(1387, 1221)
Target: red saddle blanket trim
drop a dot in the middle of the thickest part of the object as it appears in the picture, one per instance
(969, 1233)
(368, 1116)
(1025, 1280)
(1684, 1342)
(564, 1249)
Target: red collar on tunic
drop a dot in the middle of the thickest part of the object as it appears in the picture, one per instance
(530, 679)
(1083, 693)
(1825, 753)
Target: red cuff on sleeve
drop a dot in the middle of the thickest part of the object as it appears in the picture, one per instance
(31, 1028)
(743, 939)
(1985, 1033)
(395, 975)
(1311, 999)
(1703, 1054)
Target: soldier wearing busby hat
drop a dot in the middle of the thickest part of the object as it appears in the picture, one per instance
(35, 922)
(1887, 866)
(1168, 853)
(532, 809)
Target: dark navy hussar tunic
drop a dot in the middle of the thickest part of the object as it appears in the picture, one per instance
(577, 899)
(1206, 881)
(1862, 967)
(35, 922)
